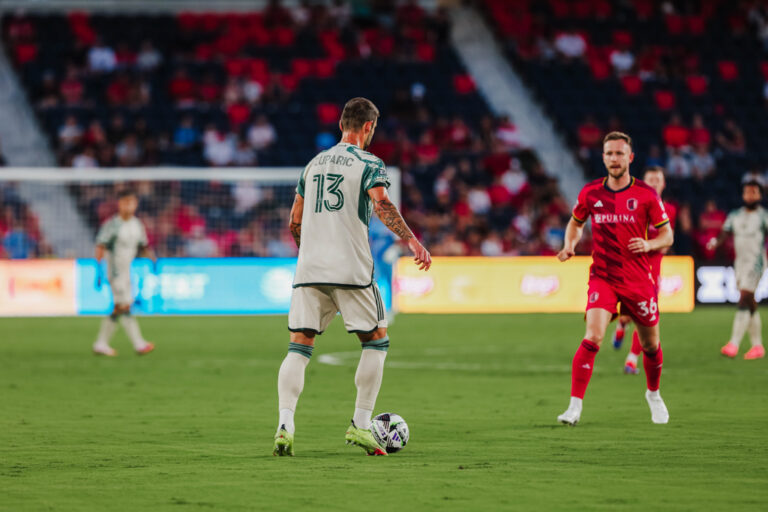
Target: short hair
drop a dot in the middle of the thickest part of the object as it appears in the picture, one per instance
(356, 113)
(654, 168)
(126, 192)
(618, 136)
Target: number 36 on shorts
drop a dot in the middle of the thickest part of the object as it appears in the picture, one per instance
(648, 309)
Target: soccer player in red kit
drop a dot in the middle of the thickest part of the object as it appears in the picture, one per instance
(653, 176)
(622, 209)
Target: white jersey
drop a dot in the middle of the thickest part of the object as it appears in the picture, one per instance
(334, 248)
(123, 239)
(749, 228)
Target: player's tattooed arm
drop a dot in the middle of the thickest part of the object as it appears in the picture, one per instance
(297, 210)
(390, 217)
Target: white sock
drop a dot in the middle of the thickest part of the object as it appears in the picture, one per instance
(632, 358)
(290, 383)
(286, 419)
(740, 324)
(654, 394)
(131, 327)
(575, 403)
(756, 329)
(368, 381)
(107, 329)
(362, 417)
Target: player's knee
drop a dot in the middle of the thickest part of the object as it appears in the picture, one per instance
(378, 334)
(596, 338)
(305, 337)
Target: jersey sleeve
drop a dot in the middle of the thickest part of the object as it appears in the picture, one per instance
(657, 215)
(300, 185)
(728, 225)
(375, 175)
(106, 234)
(581, 211)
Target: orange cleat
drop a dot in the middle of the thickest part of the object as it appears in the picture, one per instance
(149, 347)
(108, 352)
(756, 352)
(729, 350)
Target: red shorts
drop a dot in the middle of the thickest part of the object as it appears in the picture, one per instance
(656, 269)
(640, 302)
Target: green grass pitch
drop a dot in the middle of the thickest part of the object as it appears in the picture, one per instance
(190, 426)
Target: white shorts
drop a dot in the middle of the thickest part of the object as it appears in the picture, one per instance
(313, 308)
(748, 276)
(122, 293)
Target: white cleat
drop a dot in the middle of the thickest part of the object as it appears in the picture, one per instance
(573, 414)
(659, 412)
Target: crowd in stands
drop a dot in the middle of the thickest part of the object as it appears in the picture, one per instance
(266, 89)
(687, 79)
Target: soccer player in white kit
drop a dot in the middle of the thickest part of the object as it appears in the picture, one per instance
(120, 239)
(335, 197)
(748, 225)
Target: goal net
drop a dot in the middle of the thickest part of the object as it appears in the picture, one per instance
(221, 235)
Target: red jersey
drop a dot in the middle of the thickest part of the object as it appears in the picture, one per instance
(617, 217)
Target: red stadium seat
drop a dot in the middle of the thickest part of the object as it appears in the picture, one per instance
(697, 84)
(463, 84)
(236, 66)
(632, 85)
(764, 69)
(697, 25)
(328, 113)
(325, 68)
(644, 8)
(283, 36)
(426, 52)
(728, 70)
(675, 24)
(302, 68)
(25, 52)
(622, 38)
(665, 100)
(601, 68)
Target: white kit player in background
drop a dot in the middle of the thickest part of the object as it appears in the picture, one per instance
(748, 225)
(121, 239)
(336, 195)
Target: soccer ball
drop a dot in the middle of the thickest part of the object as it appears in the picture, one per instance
(390, 431)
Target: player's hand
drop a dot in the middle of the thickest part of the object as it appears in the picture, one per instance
(565, 254)
(420, 255)
(712, 244)
(639, 245)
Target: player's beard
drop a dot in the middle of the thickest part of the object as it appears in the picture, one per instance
(752, 205)
(617, 174)
(367, 141)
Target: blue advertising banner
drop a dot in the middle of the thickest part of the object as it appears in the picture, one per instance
(192, 286)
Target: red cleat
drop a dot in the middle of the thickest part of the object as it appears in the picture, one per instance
(149, 347)
(729, 350)
(756, 352)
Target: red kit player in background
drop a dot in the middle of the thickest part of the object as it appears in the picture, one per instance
(654, 177)
(622, 210)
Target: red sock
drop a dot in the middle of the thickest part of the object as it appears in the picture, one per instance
(652, 363)
(583, 364)
(636, 348)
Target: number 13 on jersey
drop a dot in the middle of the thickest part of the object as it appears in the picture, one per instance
(334, 182)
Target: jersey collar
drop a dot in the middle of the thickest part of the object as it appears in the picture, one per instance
(605, 185)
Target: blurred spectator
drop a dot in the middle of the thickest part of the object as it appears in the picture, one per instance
(622, 60)
(71, 88)
(85, 159)
(699, 133)
(675, 135)
(101, 58)
(325, 140)
(201, 245)
(509, 134)
(244, 154)
(70, 133)
(128, 151)
(182, 89)
(678, 165)
(261, 134)
(702, 162)
(590, 138)
(17, 243)
(186, 135)
(219, 147)
(570, 44)
(148, 58)
(730, 138)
